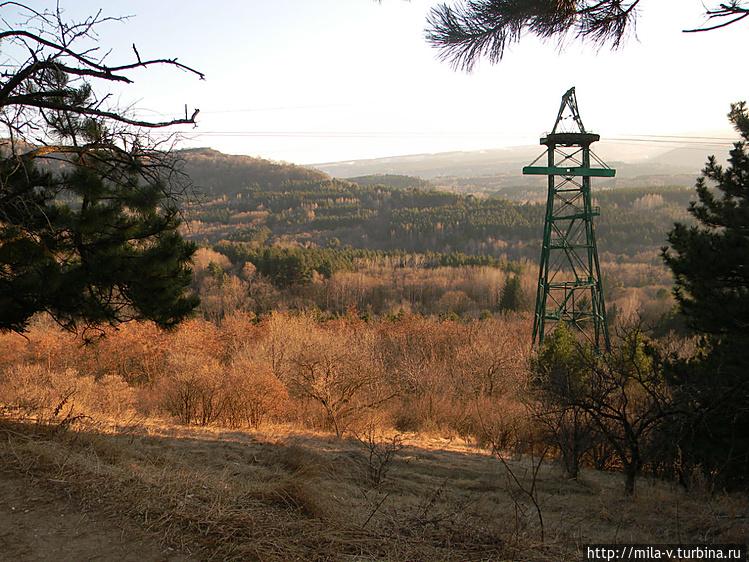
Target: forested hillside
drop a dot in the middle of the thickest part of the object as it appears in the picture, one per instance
(277, 235)
(216, 174)
(281, 364)
(260, 202)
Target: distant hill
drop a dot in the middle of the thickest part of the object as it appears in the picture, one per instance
(215, 173)
(397, 213)
(256, 202)
(635, 165)
(689, 157)
(429, 166)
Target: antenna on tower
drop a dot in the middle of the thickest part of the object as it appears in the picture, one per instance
(569, 101)
(569, 277)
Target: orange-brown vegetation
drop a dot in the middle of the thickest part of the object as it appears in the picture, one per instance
(408, 372)
(220, 441)
(385, 284)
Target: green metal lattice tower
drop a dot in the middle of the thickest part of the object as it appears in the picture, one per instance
(569, 277)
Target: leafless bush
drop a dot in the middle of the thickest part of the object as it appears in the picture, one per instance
(525, 481)
(336, 369)
(53, 395)
(501, 423)
(253, 395)
(570, 431)
(192, 390)
(379, 452)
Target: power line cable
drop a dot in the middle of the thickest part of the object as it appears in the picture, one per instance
(644, 139)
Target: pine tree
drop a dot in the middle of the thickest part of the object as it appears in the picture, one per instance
(513, 297)
(710, 263)
(711, 260)
(87, 250)
(88, 200)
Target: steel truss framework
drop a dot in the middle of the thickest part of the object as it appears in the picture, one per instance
(569, 279)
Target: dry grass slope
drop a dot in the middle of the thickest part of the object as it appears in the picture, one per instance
(216, 494)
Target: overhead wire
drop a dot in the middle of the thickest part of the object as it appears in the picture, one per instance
(646, 139)
(691, 140)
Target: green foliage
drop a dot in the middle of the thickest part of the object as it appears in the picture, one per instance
(561, 372)
(709, 263)
(214, 213)
(562, 365)
(217, 272)
(251, 234)
(89, 213)
(448, 316)
(284, 266)
(290, 266)
(710, 260)
(113, 255)
(392, 180)
(513, 297)
(711, 434)
(619, 398)
(468, 217)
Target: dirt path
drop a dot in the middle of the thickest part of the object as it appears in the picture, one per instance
(40, 525)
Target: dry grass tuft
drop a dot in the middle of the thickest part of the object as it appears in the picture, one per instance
(302, 492)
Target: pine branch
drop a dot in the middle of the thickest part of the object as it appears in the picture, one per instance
(485, 28)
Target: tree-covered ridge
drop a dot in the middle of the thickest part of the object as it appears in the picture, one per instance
(399, 215)
(218, 174)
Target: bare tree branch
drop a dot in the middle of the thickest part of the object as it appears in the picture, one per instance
(57, 60)
(733, 10)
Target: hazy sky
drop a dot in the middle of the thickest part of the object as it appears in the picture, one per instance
(312, 81)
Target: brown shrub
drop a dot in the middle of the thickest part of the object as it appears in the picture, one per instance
(253, 395)
(337, 369)
(192, 390)
(136, 352)
(53, 395)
